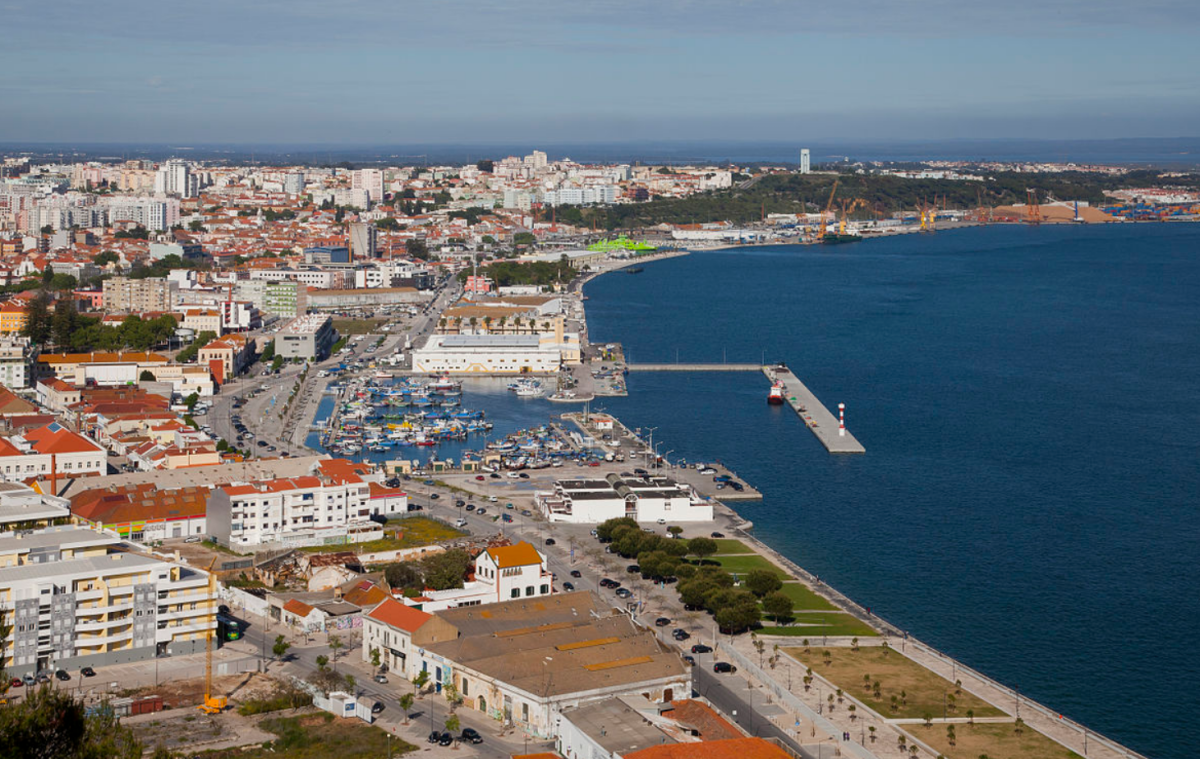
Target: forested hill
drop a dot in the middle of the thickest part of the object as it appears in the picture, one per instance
(881, 195)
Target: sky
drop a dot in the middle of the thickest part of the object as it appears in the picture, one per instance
(400, 72)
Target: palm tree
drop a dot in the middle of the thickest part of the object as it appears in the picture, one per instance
(913, 749)
(830, 700)
(854, 644)
(970, 716)
(902, 741)
(866, 682)
(928, 719)
(950, 737)
(957, 687)
(852, 709)
(885, 648)
(807, 683)
(839, 695)
(871, 730)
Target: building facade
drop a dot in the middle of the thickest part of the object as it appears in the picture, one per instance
(309, 337)
(125, 295)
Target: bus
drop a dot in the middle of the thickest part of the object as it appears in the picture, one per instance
(228, 628)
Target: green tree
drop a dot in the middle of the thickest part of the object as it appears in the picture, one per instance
(417, 249)
(778, 605)
(335, 645)
(281, 647)
(675, 531)
(63, 322)
(146, 376)
(524, 238)
(420, 681)
(388, 223)
(760, 582)
(38, 325)
(404, 575)
(47, 230)
(453, 723)
(446, 570)
(406, 702)
(191, 402)
(376, 658)
(702, 548)
(49, 723)
(106, 258)
(322, 662)
(62, 282)
(195, 225)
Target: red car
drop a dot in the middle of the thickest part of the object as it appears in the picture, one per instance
(16, 682)
(480, 477)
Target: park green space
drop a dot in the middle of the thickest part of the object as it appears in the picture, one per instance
(410, 532)
(805, 599)
(918, 691)
(815, 624)
(731, 546)
(994, 739)
(742, 564)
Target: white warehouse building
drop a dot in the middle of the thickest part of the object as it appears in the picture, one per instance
(488, 354)
(646, 499)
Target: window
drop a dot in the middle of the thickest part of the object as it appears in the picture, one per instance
(545, 589)
(516, 592)
(528, 590)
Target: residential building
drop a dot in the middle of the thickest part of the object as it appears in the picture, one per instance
(99, 368)
(805, 161)
(74, 599)
(324, 255)
(12, 404)
(333, 504)
(646, 499)
(479, 285)
(293, 183)
(203, 320)
(23, 508)
(502, 573)
(309, 337)
(12, 318)
(226, 357)
(16, 361)
(271, 298)
(189, 251)
(176, 178)
(52, 451)
(125, 295)
(57, 395)
(155, 214)
(370, 180)
(397, 631)
(362, 241)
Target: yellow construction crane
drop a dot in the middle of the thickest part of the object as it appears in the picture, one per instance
(849, 205)
(212, 704)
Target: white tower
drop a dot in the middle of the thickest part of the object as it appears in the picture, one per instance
(805, 166)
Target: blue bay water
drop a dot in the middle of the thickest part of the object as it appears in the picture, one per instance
(1030, 403)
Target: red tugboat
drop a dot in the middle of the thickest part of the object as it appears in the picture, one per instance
(775, 397)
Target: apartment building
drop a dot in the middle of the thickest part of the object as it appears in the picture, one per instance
(16, 361)
(293, 511)
(74, 600)
(271, 298)
(502, 573)
(23, 508)
(228, 356)
(125, 295)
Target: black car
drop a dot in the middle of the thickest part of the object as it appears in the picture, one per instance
(377, 707)
(445, 739)
(470, 507)
(724, 666)
(606, 583)
(700, 648)
(471, 735)
(434, 496)
(494, 475)
(223, 609)
(680, 634)
(62, 675)
(460, 502)
(689, 659)
(550, 541)
(87, 672)
(662, 622)
(435, 736)
(633, 568)
(576, 573)
(568, 586)
(718, 535)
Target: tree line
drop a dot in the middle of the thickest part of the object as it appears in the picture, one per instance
(62, 326)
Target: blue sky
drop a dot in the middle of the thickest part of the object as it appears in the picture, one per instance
(372, 71)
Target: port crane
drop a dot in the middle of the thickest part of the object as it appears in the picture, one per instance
(849, 206)
(212, 704)
(1033, 211)
(828, 208)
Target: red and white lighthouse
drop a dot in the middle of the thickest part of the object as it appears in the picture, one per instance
(842, 419)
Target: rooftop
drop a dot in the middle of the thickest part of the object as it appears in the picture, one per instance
(616, 726)
(308, 324)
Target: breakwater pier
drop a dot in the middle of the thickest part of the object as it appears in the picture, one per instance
(694, 367)
(814, 414)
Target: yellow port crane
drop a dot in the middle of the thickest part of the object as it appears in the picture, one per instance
(212, 704)
(849, 206)
(828, 209)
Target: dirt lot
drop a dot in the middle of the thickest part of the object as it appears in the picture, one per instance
(180, 694)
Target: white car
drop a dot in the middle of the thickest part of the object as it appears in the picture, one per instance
(511, 475)
(708, 470)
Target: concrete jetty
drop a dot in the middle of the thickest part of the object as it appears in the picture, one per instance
(694, 367)
(814, 414)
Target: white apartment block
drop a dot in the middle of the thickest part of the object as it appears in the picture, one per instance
(318, 278)
(370, 180)
(293, 511)
(74, 600)
(125, 295)
(155, 214)
(16, 362)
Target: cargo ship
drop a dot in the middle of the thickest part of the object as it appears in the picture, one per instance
(775, 397)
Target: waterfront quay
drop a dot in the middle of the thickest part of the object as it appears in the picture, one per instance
(694, 367)
(814, 414)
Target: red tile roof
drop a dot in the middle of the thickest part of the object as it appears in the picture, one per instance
(299, 608)
(737, 748)
(395, 614)
(54, 438)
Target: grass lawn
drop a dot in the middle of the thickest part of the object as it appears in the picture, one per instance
(731, 545)
(923, 690)
(412, 532)
(743, 564)
(357, 326)
(318, 736)
(993, 739)
(804, 599)
(815, 624)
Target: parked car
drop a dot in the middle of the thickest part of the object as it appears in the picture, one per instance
(724, 667)
(380, 679)
(376, 707)
(550, 541)
(435, 736)
(568, 586)
(576, 573)
(16, 682)
(690, 659)
(87, 672)
(700, 648)
(446, 739)
(434, 496)
(680, 634)
(624, 593)
(470, 507)
(526, 513)
(662, 622)
(633, 569)
(718, 535)
(481, 512)
(470, 735)
(480, 477)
